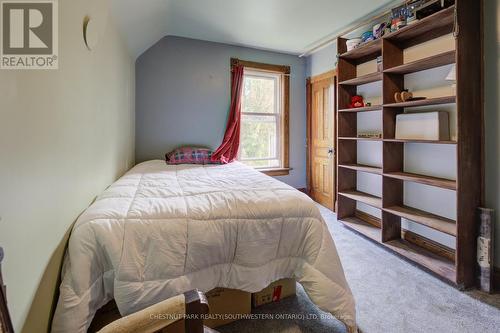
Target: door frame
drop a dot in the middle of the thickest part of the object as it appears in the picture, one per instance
(332, 75)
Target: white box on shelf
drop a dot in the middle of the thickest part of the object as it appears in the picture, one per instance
(423, 126)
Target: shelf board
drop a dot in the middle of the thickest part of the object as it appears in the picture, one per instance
(430, 220)
(362, 227)
(365, 198)
(434, 61)
(364, 168)
(439, 265)
(423, 102)
(357, 81)
(363, 109)
(441, 142)
(431, 27)
(358, 139)
(365, 52)
(427, 180)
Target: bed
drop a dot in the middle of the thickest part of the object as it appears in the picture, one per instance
(161, 230)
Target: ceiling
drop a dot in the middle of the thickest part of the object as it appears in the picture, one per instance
(290, 26)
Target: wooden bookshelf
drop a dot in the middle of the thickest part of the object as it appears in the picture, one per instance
(368, 78)
(439, 142)
(427, 180)
(363, 109)
(434, 61)
(362, 227)
(460, 267)
(363, 168)
(423, 102)
(365, 198)
(359, 139)
(430, 220)
(365, 52)
(437, 264)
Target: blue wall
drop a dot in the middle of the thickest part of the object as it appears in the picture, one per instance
(322, 61)
(183, 92)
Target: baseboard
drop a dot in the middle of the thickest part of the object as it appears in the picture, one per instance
(428, 244)
(370, 219)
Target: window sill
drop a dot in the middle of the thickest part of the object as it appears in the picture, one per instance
(275, 171)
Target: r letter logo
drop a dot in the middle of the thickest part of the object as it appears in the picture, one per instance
(29, 35)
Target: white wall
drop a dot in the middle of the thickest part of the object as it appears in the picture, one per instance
(64, 136)
(325, 59)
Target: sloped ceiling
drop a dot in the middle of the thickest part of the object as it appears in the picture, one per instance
(289, 26)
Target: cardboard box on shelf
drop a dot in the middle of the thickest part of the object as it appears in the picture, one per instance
(423, 126)
(226, 306)
(274, 292)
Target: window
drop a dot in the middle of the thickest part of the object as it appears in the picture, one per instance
(264, 119)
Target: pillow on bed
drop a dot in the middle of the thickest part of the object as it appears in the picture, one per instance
(189, 155)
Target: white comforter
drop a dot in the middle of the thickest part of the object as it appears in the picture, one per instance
(162, 230)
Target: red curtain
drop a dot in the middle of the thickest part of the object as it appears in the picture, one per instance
(228, 150)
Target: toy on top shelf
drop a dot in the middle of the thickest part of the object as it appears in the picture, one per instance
(379, 30)
(406, 14)
(353, 43)
(367, 36)
(414, 10)
(411, 11)
(429, 7)
(398, 17)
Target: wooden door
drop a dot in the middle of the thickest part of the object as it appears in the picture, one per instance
(322, 139)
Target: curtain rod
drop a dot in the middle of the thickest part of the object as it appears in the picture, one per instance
(368, 19)
(266, 70)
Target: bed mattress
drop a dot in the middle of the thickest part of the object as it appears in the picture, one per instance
(161, 230)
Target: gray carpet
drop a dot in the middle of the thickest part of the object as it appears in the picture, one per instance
(391, 296)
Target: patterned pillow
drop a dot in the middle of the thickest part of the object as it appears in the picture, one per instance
(189, 155)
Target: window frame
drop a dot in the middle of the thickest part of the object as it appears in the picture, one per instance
(284, 116)
(276, 115)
